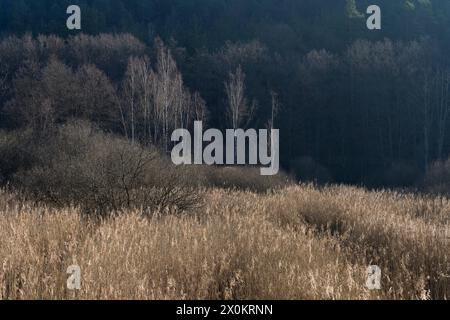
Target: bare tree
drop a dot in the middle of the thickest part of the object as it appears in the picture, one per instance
(154, 102)
(96, 97)
(166, 85)
(136, 110)
(174, 106)
(130, 89)
(145, 96)
(42, 97)
(238, 108)
(200, 111)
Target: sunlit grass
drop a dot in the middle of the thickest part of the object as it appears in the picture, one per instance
(297, 243)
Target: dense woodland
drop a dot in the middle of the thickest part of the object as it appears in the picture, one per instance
(352, 105)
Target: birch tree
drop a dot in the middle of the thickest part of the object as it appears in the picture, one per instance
(155, 101)
(130, 89)
(166, 86)
(174, 105)
(136, 110)
(238, 108)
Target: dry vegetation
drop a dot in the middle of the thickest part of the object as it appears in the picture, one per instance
(296, 243)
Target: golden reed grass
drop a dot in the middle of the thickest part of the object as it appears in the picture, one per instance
(296, 243)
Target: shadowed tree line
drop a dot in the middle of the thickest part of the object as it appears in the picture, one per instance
(352, 105)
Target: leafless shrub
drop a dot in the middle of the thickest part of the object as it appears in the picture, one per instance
(103, 174)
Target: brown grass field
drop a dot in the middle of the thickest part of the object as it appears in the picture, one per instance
(297, 243)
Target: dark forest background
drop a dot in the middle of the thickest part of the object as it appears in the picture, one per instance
(356, 106)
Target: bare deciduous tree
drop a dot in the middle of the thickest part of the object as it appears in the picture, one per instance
(239, 111)
(96, 97)
(200, 111)
(43, 97)
(155, 102)
(130, 90)
(167, 84)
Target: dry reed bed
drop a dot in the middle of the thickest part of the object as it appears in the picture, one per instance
(298, 243)
(407, 236)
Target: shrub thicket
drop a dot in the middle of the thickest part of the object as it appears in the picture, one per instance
(76, 164)
(101, 173)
